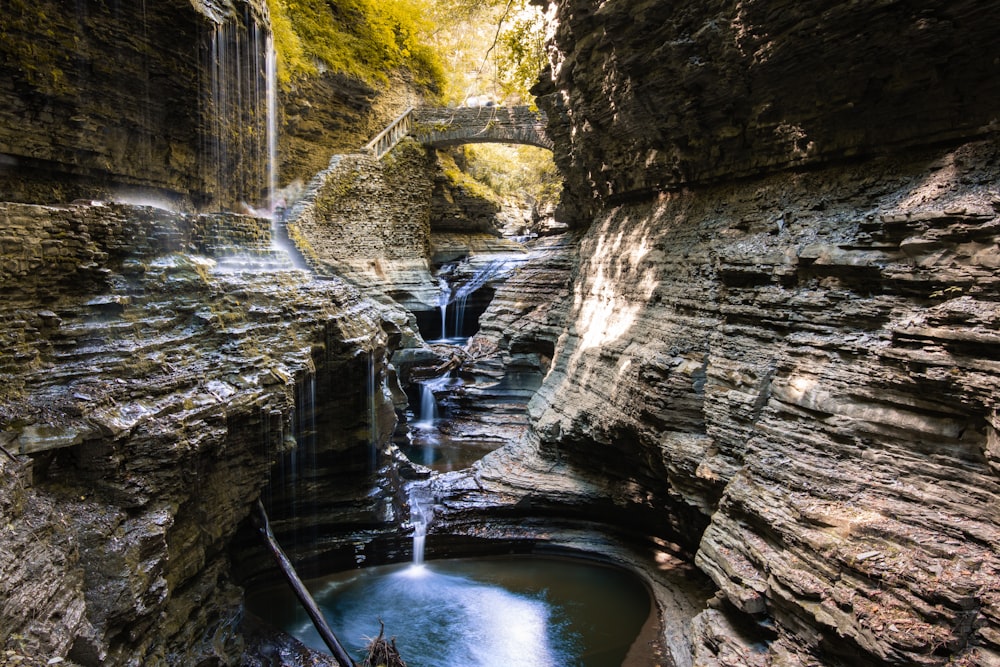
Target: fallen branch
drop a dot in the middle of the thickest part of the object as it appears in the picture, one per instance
(301, 593)
(7, 438)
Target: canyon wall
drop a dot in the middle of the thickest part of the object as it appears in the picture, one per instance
(666, 94)
(155, 366)
(779, 344)
(134, 100)
(167, 102)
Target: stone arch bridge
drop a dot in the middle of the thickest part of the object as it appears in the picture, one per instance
(440, 127)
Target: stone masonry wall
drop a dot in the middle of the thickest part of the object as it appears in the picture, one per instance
(451, 127)
(368, 220)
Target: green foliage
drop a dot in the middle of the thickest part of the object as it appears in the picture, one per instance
(491, 47)
(521, 55)
(516, 172)
(464, 181)
(362, 38)
(292, 60)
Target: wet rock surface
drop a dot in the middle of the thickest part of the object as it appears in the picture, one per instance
(155, 390)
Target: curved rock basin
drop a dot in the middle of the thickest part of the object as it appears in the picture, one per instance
(518, 611)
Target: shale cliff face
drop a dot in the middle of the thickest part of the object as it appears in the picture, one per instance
(154, 368)
(168, 101)
(666, 94)
(134, 97)
(790, 372)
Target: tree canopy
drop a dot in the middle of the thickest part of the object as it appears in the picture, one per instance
(362, 38)
(459, 48)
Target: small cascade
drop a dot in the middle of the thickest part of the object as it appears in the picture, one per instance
(428, 406)
(305, 422)
(419, 540)
(428, 412)
(443, 299)
(457, 297)
(425, 439)
(265, 440)
(420, 517)
(305, 446)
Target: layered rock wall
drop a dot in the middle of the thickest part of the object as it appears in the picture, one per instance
(795, 366)
(809, 363)
(167, 102)
(666, 94)
(156, 373)
(136, 99)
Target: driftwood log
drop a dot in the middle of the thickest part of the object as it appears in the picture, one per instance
(285, 565)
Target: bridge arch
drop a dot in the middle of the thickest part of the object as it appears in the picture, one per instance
(441, 127)
(438, 127)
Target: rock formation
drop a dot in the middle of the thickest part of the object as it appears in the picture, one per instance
(663, 95)
(139, 100)
(762, 371)
(777, 351)
(155, 377)
(166, 102)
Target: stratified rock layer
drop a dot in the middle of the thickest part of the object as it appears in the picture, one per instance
(659, 94)
(134, 101)
(783, 321)
(810, 362)
(153, 370)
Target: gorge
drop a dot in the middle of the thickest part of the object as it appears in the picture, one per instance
(757, 368)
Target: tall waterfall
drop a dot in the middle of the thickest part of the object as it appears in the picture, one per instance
(272, 124)
(238, 165)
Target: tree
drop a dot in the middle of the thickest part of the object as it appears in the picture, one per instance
(490, 47)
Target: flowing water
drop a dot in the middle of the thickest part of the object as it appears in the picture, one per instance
(516, 611)
(429, 442)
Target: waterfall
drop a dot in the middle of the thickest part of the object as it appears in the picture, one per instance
(428, 406)
(277, 206)
(443, 299)
(459, 296)
(272, 125)
(420, 517)
(428, 412)
(237, 161)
